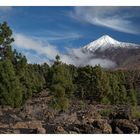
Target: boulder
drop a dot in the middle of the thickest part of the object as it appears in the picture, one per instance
(102, 125)
(137, 123)
(83, 129)
(3, 125)
(15, 117)
(41, 130)
(73, 132)
(125, 126)
(50, 128)
(19, 125)
(34, 124)
(121, 113)
(118, 131)
(6, 131)
(60, 130)
(8, 118)
(28, 109)
(66, 118)
(89, 115)
(31, 125)
(72, 118)
(49, 115)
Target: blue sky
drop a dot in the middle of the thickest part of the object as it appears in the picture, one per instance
(42, 32)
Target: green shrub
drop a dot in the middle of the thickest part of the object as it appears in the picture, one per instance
(135, 113)
(105, 112)
(105, 101)
(82, 104)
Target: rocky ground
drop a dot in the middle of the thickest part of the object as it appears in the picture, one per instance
(81, 118)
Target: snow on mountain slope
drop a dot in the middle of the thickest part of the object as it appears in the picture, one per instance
(106, 42)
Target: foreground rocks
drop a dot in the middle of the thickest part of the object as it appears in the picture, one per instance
(125, 126)
(102, 125)
(37, 117)
(35, 125)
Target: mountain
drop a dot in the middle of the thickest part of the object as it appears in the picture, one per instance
(124, 55)
(106, 42)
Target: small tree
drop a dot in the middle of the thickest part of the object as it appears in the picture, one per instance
(59, 101)
(61, 84)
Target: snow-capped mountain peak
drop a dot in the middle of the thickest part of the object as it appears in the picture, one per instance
(107, 39)
(106, 42)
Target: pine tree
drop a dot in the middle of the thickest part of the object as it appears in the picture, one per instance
(61, 84)
(10, 90)
(59, 101)
(5, 42)
(123, 94)
(115, 90)
(133, 97)
(102, 88)
(45, 73)
(84, 82)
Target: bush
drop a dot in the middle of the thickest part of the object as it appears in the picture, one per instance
(135, 113)
(10, 88)
(82, 104)
(105, 112)
(105, 101)
(59, 101)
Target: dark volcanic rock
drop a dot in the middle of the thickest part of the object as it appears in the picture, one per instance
(118, 131)
(9, 118)
(102, 125)
(125, 126)
(137, 123)
(83, 129)
(121, 113)
(37, 117)
(50, 128)
(31, 125)
(60, 130)
(88, 115)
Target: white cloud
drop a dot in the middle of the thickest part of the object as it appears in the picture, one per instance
(79, 58)
(59, 35)
(106, 63)
(35, 58)
(116, 18)
(37, 51)
(29, 44)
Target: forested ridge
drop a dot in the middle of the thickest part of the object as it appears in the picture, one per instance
(20, 80)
